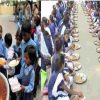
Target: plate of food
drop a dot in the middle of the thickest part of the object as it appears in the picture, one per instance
(2, 61)
(94, 35)
(74, 57)
(77, 66)
(75, 35)
(80, 78)
(77, 46)
(4, 88)
(13, 63)
(98, 50)
(97, 43)
(76, 97)
(76, 39)
(15, 85)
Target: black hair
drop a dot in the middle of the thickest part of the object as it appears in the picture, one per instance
(18, 34)
(26, 26)
(45, 20)
(36, 5)
(37, 20)
(51, 18)
(58, 43)
(59, 61)
(0, 28)
(30, 49)
(8, 39)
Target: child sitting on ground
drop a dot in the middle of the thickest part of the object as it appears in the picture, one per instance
(10, 53)
(17, 49)
(57, 87)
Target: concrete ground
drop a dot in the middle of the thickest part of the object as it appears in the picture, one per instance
(88, 59)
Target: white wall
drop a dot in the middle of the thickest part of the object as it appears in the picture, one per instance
(46, 8)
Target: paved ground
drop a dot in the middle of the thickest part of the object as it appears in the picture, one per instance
(89, 59)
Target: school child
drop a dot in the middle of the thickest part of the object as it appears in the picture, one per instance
(10, 53)
(58, 45)
(67, 40)
(17, 46)
(47, 42)
(52, 26)
(10, 56)
(27, 73)
(58, 50)
(17, 49)
(2, 51)
(56, 86)
(27, 40)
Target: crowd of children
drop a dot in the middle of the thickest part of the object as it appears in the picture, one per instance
(26, 50)
(57, 36)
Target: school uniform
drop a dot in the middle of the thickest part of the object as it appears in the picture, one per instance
(58, 16)
(62, 8)
(10, 55)
(27, 76)
(3, 54)
(46, 49)
(24, 45)
(55, 92)
(53, 63)
(17, 51)
(52, 29)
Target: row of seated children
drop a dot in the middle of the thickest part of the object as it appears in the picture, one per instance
(60, 85)
(50, 28)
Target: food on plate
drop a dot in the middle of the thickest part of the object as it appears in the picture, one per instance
(77, 46)
(77, 66)
(2, 61)
(13, 63)
(80, 78)
(98, 50)
(97, 43)
(76, 39)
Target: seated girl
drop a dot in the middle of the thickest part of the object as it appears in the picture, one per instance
(56, 86)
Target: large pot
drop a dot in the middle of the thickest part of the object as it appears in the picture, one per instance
(4, 88)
